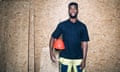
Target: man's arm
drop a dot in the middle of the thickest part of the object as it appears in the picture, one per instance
(52, 52)
(85, 49)
(57, 32)
(84, 46)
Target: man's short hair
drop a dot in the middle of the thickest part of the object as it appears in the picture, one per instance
(73, 3)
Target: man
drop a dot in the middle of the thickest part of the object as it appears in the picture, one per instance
(75, 36)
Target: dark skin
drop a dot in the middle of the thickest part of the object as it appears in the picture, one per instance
(52, 51)
(84, 44)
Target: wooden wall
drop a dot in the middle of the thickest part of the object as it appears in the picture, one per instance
(26, 27)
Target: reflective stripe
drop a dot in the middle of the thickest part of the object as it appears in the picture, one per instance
(70, 63)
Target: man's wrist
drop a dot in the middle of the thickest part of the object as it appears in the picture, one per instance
(84, 59)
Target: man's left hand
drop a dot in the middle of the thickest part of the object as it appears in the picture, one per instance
(83, 64)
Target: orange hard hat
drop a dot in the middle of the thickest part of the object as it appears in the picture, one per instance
(58, 44)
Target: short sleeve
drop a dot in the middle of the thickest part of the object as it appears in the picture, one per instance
(57, 32)
(85, 35)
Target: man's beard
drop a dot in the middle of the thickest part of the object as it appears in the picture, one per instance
(75, 16)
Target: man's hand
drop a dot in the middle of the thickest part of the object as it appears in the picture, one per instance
(84, 45)
(53, 58)
(52, 52)
(83, 64)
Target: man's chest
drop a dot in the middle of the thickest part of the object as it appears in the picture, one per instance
(72, 30)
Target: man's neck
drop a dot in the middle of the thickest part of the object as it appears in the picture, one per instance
(73, 20)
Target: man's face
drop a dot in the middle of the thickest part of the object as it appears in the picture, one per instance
(73, 11)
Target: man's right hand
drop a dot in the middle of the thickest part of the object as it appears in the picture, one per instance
(53, 58)
(52, 52)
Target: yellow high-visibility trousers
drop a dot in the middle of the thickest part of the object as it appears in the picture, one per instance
(66, 65)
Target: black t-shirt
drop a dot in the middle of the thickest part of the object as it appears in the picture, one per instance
(73, 34)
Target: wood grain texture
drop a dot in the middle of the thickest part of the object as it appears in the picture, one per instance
(102, 18)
